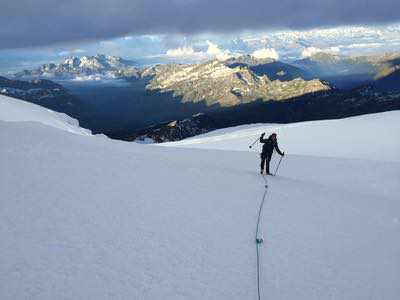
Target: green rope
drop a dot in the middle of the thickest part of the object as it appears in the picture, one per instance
(259, 239)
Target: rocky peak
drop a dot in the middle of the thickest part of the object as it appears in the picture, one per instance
(248, 60)
(175, 130)
(216, 83)
(72, 62)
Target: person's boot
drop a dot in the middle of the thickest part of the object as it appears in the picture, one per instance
(262, 171)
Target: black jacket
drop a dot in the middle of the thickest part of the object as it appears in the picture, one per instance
(269, 145)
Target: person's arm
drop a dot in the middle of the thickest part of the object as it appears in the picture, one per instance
(277, 149)
(262, 140)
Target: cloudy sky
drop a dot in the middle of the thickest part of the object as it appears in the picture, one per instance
(43, 30)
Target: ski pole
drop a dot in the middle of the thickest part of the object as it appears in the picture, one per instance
(277, 167)
(252, 144)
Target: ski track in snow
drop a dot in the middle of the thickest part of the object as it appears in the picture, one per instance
(90, 218)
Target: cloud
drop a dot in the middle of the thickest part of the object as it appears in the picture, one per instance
(213, 52)
(310, 51)
(182, 52)
(364, 45)
(26, 23)
(266, 53)
(71, 52)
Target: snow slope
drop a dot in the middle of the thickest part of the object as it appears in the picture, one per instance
(22, 111)
(91, 218)
(373, 136)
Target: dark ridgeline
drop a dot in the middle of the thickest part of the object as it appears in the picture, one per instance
(45, 93)
(317, 106)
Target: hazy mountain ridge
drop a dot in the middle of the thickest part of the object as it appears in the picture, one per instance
(43, 92)
(346, 40)
(274, 69)
(353, 69)
(73, 67)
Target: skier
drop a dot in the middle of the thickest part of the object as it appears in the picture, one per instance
(269, 145)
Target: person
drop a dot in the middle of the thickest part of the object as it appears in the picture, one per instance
(268, 148)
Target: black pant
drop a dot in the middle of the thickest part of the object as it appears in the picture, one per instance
(265, 160)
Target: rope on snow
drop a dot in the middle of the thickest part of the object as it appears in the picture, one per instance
(259, 239)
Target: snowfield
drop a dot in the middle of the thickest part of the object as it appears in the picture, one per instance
(373, 136)
(22, 111)
(85, 217)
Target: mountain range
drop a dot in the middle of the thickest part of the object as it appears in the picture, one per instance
(86, 67)
(347, 40)
(217, 83)
(349, 71)
(158, 101)
(233, 82)
(339, 70)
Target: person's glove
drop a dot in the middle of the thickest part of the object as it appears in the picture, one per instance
(283, 153)
(262, 134)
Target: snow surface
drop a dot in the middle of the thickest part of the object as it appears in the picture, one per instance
(90, 218)
(12, 110)
(373, 136)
